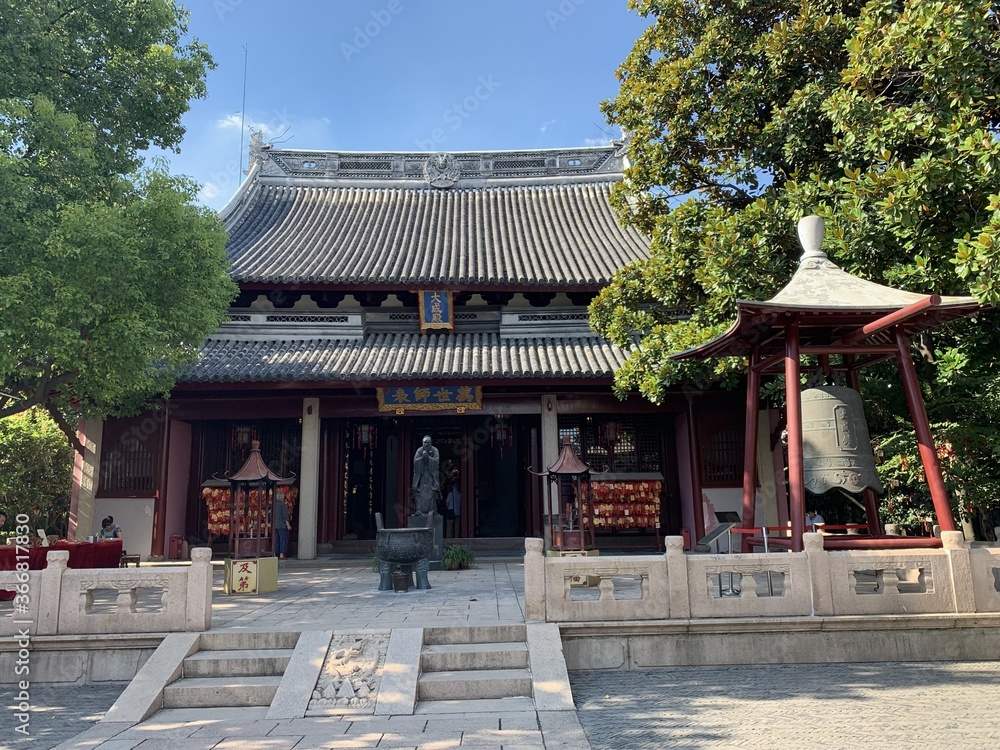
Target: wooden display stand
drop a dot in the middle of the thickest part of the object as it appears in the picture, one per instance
(626, 502)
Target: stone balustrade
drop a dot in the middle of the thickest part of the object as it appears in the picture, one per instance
(815, 582)
(62, 601)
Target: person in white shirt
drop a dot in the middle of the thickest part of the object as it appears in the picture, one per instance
(814, 521)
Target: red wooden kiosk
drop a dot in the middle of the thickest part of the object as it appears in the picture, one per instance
(826, 311)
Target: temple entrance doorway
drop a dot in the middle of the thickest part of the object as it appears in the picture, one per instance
(370, 475)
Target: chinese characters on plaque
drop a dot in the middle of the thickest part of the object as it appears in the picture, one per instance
(244, 577)
(429, 398)
(436, 311)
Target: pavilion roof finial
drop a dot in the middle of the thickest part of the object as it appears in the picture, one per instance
(811, 237)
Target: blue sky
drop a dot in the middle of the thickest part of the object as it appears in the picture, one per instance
(401, 75)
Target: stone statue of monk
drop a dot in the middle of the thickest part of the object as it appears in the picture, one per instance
(426, 483)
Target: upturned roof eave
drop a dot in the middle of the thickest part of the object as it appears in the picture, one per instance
(755, 318)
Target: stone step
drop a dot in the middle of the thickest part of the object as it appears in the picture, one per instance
(246, 640)
(474, 684)
(518, 704)
(237, 662)
(510, 633)
(450, 657)
(202, 692)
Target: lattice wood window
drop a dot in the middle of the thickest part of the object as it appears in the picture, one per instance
(227, 446)
(622, 443)
(129, 457)
(721, 446)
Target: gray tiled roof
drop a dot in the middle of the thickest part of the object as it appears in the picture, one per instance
(403, 356)
(553, 227)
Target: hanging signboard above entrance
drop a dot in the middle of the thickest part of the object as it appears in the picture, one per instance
(430, 398)
(436, 311)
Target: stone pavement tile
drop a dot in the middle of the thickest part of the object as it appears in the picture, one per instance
(393, 723)
(332, 726)
(161, 730)
(258, 743)
(468, 722)
(158, 743)
(319, 743)
(503, 737)
(91, 738)
(519, 720)
(436, 743)
(235, 729)
(444, 739)
(114, 744)
(366, 740)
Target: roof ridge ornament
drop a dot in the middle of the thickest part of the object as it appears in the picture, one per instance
(258, 148)
(441, 170)
(811, 231)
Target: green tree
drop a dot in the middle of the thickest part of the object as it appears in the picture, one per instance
(36, 470)
(110, 275)
(880, 116)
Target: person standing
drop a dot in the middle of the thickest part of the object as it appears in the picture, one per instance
(282, 525)
(453, 512)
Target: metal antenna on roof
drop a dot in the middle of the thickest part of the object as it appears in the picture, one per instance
(243, 107)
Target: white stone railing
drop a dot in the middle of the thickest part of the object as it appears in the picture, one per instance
(61, 601)
(955, 579)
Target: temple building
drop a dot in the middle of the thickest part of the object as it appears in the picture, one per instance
(389, 296)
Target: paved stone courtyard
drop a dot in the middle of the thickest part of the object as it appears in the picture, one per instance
(895, 706)
(58, 712)
(892, 706)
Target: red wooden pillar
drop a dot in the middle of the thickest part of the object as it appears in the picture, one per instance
(156, 545)
(928, 454)
(694, 455)
(793, 411)
(870, 499)
(750, 448)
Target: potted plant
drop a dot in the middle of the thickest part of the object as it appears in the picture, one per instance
(400, 579)
(457, 557)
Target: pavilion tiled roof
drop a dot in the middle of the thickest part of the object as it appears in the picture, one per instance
(468, 220)
(403, 356)
(829, 303)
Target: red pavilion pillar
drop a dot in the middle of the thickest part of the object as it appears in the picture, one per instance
(793, 412)
(925, 442)
(750, 448)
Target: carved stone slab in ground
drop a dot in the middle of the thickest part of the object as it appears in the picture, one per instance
(351, 674)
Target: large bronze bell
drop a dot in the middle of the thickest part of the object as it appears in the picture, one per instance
(836, 448)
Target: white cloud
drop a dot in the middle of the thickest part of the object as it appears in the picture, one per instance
(596, 141)
(545, 125)
(230, 121)
(209, 192)
(236, 121)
